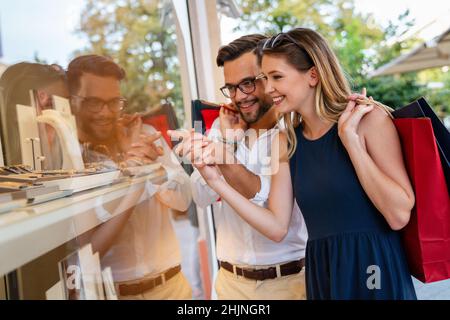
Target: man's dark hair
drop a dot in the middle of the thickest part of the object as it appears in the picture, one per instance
(95, 64)
(238, 47)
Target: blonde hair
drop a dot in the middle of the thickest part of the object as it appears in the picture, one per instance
(304, 48)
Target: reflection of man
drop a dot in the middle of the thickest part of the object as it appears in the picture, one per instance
(139, 244)
(251, 265)
(94, 84)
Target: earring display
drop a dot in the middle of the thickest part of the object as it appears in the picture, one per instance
(21, 186)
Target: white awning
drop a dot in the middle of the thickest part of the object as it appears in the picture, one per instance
(431, 54)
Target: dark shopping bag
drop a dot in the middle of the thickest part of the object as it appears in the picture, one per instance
(427, 236)
(205, 112)
(421, 109)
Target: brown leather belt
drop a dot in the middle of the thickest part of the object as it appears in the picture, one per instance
(286, 269)
(142, 286)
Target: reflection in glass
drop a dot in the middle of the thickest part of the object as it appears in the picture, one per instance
(120, 197)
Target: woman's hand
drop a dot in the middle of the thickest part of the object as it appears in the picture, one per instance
(211, 173)
(350, 119)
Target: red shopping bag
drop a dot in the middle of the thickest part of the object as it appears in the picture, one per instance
(427, 235)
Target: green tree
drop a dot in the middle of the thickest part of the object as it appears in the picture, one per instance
(350, 33)
(438, 97)
(360, 43)
(132, 33)
(395, 91)
(276, 16)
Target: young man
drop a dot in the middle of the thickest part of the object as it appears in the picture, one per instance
(138, 244)
(251, 265)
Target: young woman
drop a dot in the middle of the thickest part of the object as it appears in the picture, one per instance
(341, 159)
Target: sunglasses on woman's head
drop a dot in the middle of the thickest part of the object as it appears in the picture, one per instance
(284, 38)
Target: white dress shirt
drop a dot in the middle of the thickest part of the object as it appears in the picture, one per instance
(147, 244)
(237, 241)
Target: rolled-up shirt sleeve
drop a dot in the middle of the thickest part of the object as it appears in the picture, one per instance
(202, 193)
(175, 193)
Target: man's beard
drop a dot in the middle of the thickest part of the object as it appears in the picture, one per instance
(99, 136)
(262, 110)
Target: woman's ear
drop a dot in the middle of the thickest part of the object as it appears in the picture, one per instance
(313, 77)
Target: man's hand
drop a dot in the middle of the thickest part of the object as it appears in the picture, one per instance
(128, 130)
(194, 147)
(217, 153)
(191, 144)
(199, 150)
(232, 126)
(145, 150)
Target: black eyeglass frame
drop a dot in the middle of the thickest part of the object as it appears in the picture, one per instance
(232, 89)
(101, 103)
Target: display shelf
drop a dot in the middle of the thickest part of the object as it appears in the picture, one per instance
(27, 233)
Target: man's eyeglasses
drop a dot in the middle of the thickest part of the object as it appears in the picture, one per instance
(95, 105)
(246, 86)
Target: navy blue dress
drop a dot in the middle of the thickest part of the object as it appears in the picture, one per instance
(351, 252)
